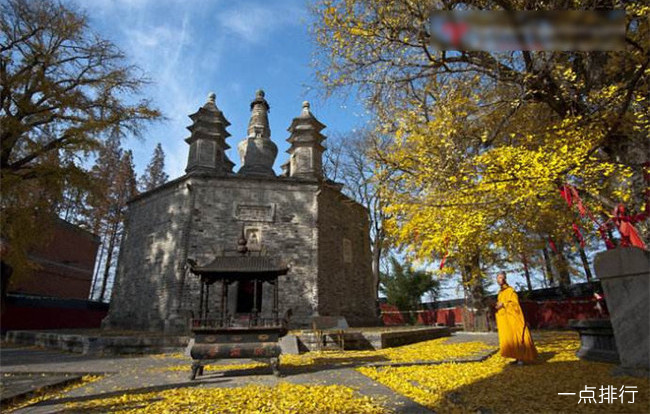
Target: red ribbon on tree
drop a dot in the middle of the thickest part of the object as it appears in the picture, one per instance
(566, 195)
(603, 234)
(571, 196)
(625, 223)
(576, 231)
(444, 258)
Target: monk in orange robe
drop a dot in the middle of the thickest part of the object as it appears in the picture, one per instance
(514, 336)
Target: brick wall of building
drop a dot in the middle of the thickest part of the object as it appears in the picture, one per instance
(65, 265)
(344, 270)
(151, 254)
(200, 217)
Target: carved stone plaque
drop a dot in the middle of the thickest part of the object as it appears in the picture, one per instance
(250, 212)
(254, 238)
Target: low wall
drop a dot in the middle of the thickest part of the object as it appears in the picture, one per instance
(557, 314)
(367, 340)
(448, 316)
(30, 312)
(100, 345)
(538, 314)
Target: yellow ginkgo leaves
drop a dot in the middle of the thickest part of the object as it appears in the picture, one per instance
(283, 398)
(497, 386)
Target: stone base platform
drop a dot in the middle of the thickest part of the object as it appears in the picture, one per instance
(597, 342)
(114, 343)
(371, 338)
(89, 343)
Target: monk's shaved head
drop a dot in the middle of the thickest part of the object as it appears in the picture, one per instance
(501, 278)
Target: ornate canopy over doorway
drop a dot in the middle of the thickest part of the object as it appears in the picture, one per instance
(219, 334)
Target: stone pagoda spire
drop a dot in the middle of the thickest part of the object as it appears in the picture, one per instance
(208, 140)
(257, 151)
(306, 151)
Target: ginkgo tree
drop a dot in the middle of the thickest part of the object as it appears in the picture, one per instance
(64, 91)
(484, 141)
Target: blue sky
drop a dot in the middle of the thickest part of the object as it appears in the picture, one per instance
(189, 48)
(192, 47)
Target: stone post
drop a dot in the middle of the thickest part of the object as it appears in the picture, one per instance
(625, 276)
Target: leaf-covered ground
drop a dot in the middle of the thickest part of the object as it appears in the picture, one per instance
(282, 398)
(433, 350)
(499, 387)
(491, 386)
(49, 394)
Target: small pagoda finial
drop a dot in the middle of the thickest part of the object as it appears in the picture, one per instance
(257, 151)
(212, 97)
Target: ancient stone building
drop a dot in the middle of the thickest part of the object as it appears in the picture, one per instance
(298, 217)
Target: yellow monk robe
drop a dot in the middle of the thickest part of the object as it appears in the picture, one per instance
(514, 336)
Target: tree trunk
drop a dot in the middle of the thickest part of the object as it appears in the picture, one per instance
(527, 274)
(562, 266)
(475, 297)
(585, 263)
(548, 267)
(97, 268)
(376, 259)
(109, 259)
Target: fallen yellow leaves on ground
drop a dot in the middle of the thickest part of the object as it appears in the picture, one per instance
(433, 350)
(174, 355)
(282, 398)
(497, 386)
(49, 394)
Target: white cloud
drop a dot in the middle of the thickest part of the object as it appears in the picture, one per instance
(254, 23)
(161, 45)
(150, 37)
(182, 46)
(110, 5)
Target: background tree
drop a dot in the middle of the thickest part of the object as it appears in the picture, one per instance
(64, 90)
(154, 175)
(348, 160)
(404, 286)
(114, 169)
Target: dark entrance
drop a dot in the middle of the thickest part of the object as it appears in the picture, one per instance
(245, 294)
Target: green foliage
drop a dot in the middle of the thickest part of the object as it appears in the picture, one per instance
(154, 175)
(404, 286)
(114, 173)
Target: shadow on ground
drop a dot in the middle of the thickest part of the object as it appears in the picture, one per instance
(126, 404)
(288, 370)
(12, 356)
(534, 388)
